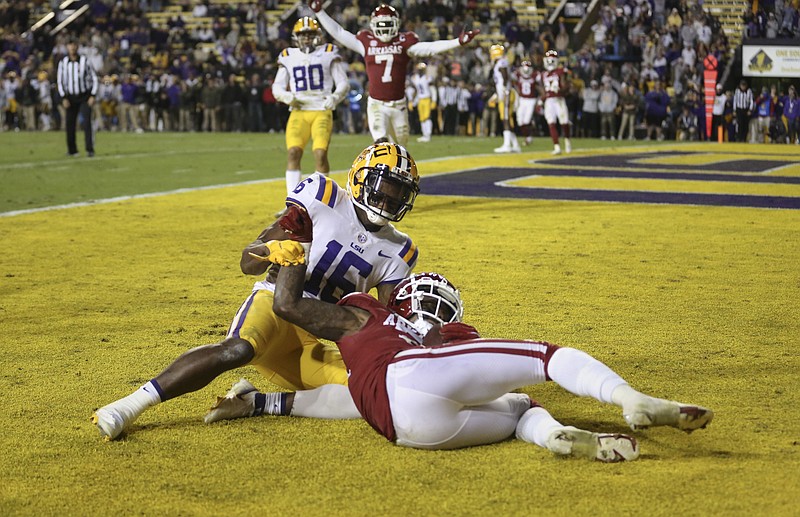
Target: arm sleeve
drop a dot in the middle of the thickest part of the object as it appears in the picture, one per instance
(339, 73)
(429, 48)
(60, 79)
(337, 32)
(279, 86)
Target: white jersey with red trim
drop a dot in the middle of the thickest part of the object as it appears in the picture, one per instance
(345, 257)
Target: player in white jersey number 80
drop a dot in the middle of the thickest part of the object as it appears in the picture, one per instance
(356, 249)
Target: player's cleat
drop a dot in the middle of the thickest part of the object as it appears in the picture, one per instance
(239, 402)
(503, 149)
(567, 146)
(516, 149)
(556, 149)
(657, 412)
(608, 448)
(112, 419)
(424, 139)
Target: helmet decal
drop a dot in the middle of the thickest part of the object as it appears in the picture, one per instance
(306, 34)
(427, 299)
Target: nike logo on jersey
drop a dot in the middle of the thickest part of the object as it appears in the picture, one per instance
(382, 254)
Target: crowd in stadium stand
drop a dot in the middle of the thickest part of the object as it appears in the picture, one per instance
(639, 73)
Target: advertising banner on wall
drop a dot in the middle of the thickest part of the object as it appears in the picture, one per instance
(770, 61)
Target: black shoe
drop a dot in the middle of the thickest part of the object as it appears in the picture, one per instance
(72, 155)
(90, 154)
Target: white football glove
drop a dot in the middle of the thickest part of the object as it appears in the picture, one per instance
(330, 102)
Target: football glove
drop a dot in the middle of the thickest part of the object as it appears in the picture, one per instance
(297, 223)
(330, 102)
(315, 5)
(467, 36)
(283, 253)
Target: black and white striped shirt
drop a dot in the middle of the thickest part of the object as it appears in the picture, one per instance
(76, 77)
(743, 100)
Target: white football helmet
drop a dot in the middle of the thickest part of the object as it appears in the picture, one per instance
(426, 299)
(306, 34)
(383, 181)
(385, 23)
(526, 69)
(551, 60)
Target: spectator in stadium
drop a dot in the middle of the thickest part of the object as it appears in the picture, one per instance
(765, 107)
(791, 110)
(462, 103)
(311, 80)
(687, 124)
(423, 379)
(656, 110)
(210, 101)
(255, 111)
(591, 109)
(382, 185)
(387, 52)
(607, 106)
(629, 103)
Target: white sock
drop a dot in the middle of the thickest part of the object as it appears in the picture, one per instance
(514, 141)
(536, 426)
(583, 375)
(507, 138)
(134, 404)
(292, 179)
(427, 128)
(625, 396)
(332, 401)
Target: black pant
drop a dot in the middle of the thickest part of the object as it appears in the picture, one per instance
(743, 124)
(78, 104)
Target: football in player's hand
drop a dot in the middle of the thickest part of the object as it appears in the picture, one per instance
(315, 5)
(467, 36)
(297, 223)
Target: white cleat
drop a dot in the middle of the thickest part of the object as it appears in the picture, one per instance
(556, 149)
(111, 421)
(516, 149)
(424, 139)
(608, 448)
(239, 402)
(503, 149)
(658, 412)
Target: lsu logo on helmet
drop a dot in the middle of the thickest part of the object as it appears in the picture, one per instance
(383, 181)
(496, 52)
(306, 34)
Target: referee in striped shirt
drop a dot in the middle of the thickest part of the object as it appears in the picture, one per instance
(77, 84)
(743, 104)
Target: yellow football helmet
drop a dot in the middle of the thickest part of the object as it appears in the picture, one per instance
(306, 34)
(383, 181)
(496, 52)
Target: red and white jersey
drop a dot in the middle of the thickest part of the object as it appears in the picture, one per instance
(386, 64)
(554, 82)
(367, 355)
(525, 86)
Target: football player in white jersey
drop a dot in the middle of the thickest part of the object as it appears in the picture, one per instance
(356, 249)
(312, 80)
(387, 53)
(506, 97)
(423, 379)
(423, 100)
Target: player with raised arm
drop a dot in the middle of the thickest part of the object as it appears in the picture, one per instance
(554, 83)
(357, 249)
(525, 81)
(387, 53)
(422, 379)
(312, 80)
(506, 97)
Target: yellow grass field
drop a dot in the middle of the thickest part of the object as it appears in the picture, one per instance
(695, 303)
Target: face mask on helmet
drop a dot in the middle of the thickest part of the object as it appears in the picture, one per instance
(385, 23)
(427, 299)
(383, 182)
(551, 60)
(526, 69)
(496, 52)
(306, 34)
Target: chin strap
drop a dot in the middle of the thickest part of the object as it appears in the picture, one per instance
(376, 219)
